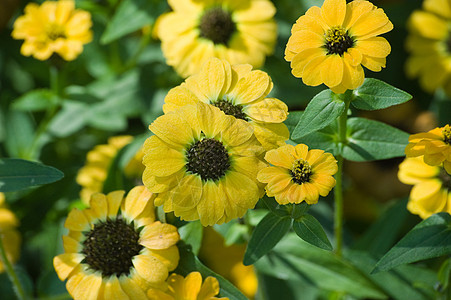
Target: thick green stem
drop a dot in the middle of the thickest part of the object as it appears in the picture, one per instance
(18, 289)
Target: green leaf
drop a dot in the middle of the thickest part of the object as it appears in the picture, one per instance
(376, 94)
(430, 238)
(310, 230)
(19, 134)
(276, 208)
(17, 174)
(191, 233)
(265, 236)
(293, 120)
(72, 117)
(36, 100)
(322, 110)
(324, 139)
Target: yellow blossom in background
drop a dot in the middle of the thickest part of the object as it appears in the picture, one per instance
(298, 174)
(8, 233)
(203, 164)
(189, 288)
(429, 45)
(434, 146)
(240, 31)
(116, 249)
(331, 44)
(53, 27)
(431, 187)
(238, 91)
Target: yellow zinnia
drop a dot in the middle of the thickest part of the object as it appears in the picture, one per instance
(238, 91)
(330, 44)
(298, 174)
(53, 27)
(429, 45)
(431, 187)
(8, 233)
(203, 164)
(240, 31)
(434, 146)
(116, 249)
(189, 288)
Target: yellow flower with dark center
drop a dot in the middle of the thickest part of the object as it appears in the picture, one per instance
(8, 233)
(240, 31)
(203, 164)
(431, 187)
(331, 44)
(434, 146)
(298, 174)
(429, 44)
(189, 288)
(238, 91)
(53, 27)
(116, 249)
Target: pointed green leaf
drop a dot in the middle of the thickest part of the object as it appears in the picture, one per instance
(17, 174)
(36, 100)
(265, 236)
(375, 94)
(191, 233)
(72, 117)
(430, 238)
(19, 134)
(310, 230)
(322, 110)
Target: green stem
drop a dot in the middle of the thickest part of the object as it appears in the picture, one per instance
(18, 289)
(145, 39)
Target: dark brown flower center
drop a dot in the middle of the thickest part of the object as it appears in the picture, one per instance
(338, 41)
(208, 158)
(110, 247)
(230, 109)
(446, 131)
(55, 31)
(217, 25)
(445, 178)
(301, 171)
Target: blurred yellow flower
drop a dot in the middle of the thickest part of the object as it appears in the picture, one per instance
(431, 185)
(53, 27)
(434, 146)
(189, 288)
(8, 233)
(298, 174)
(116, 249)
(240, 31)
(238, 91)
(330, 44)
(429, 45)
(203, 164)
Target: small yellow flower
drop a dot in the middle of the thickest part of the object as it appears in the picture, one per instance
(238, 91)
(240, 31)
(298, 174)
(116, 249)
(203, 164)
(189, 288)
(434, 146)
(330, 44)
(8, 233)
(53, 27)
(431, 187)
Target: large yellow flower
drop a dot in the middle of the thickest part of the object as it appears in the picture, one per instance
(116, 249)
(429, 45)
(53, 27)
(298, 174)
(203, 164)
(237, 91)
(189, 288)
(240, 31)
(330, 44)
(8, 233)
(431, 187)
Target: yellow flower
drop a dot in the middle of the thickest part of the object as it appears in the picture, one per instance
(428, 44)
(240, 31)
(93, 175)
(53, 27)
(434, 146)
(116, 249)
(8, 233)
(431, 186)
(298, 174)
(203, 164)
(237, 91)
(189, 288)
(330, 44)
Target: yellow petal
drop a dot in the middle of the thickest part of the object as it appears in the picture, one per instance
(159, 236)
(192, 284)
(160, 159)
(353, 56)
(150, 268)
(332, 70)
(251, 87)
(236, 133)
(130, 287)
(211, 206)
(71, 245)
(178, 97)
(209, 289)
(211, 79)
(170, 256)
(135, 202)
(374, 64)
(333, 12)
(312, 71)
(77, 220)
(271, 135)
(99, 206)
(173, 129)
(268, 110)
(369, 22)
(353, 76)
(429, 25)
(374, 47)
(355, 10)
(282, 157)
(155, 294)
(84, 286)
(304, 39)
(113, 289)
(65, 263)
(114, 202)
(188, 192)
